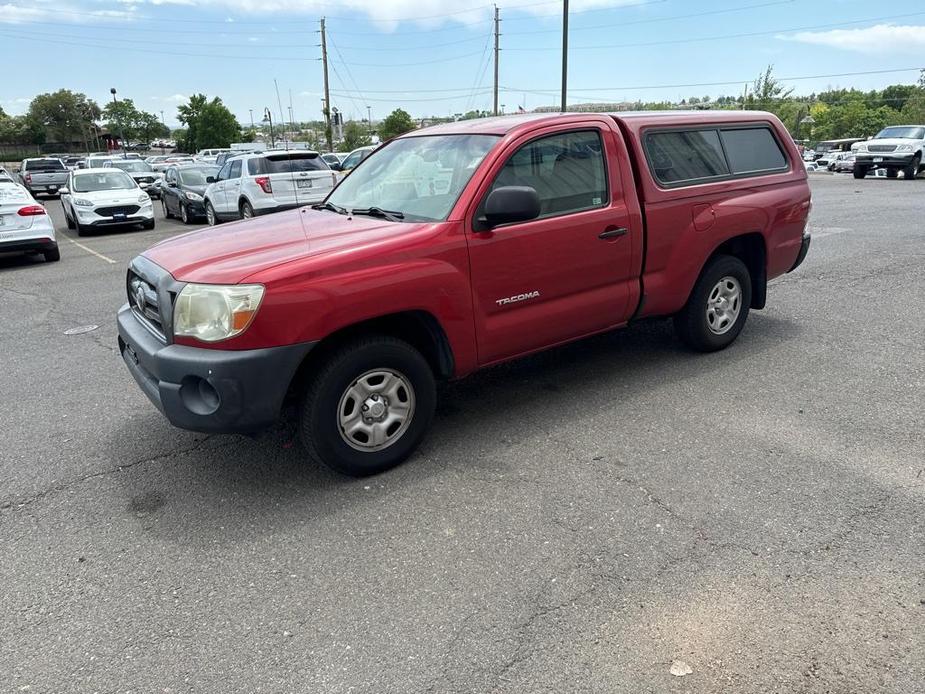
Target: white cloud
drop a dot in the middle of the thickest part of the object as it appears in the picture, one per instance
(14, 14)
(173, 98)
(881, 38)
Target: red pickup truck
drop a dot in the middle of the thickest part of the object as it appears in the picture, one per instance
(457, 247)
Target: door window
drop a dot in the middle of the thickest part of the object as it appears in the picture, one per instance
(235, 171)
(567, 171)
(223, 174)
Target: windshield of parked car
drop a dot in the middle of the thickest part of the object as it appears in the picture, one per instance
(901, 131)
(197, 176)
(132, 165)
(94, 163)
(105, 180)
(44, 165)
(420, 177)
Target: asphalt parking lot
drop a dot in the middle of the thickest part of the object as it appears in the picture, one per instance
(576, 522)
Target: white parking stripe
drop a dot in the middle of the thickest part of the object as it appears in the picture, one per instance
(92, 252)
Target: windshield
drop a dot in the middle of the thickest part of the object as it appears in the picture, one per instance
(286, 163)
(107, 180)
(96, 163)
(907, 132)
(197, 177)
(420, 177)
(132, 165)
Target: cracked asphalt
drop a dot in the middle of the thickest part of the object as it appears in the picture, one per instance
(576, 522)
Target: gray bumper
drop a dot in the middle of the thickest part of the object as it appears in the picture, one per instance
(209, 390)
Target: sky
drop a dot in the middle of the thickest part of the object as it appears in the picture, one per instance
(435, 57)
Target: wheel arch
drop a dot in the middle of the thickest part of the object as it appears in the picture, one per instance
(420, 329)
(751, 249)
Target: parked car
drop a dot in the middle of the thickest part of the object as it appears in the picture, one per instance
(96, 161)
(208, 156)
(72, 163)
(172, 160)
(96, 198)
(255, 184)
(457, 247)
(809, 155)
(142, 172)
(6, 176)
(157, 159)
(183, 190)
(896, 148)
(810, 166)
(833, 159)
(352, 160)
(43, 176)
(844, 164)
(25, 226)
(334, 160)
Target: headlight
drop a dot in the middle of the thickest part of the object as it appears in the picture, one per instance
(211, 312)
(904, 148)
(195, 197)
(82, 202)
(143, 198)
(862, 148)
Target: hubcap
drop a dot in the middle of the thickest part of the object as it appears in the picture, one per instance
(375, 410)
(724, 305)
(247, 212)
(210, 215)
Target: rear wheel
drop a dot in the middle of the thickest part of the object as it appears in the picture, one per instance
(911, 171)
(892, 173)
(718, 306)
(368, 406)
(52, 256)
(246, 210)
(211, 217)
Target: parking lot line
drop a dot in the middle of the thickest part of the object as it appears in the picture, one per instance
(91, 251)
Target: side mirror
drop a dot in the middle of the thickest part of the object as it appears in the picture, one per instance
(336, 167)
(63, 191)
(81, 165)
(171, 184)
(210, 179)
(511, 204)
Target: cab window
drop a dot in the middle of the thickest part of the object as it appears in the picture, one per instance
(567, 171)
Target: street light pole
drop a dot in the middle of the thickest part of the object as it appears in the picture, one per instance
(115, 103)
(369, 120)
(163, 148)
(268, 117)
(253, 127)
(564, 53)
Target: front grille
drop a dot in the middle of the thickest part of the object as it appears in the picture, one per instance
(143, 298)
(116, 209)
(881, 148)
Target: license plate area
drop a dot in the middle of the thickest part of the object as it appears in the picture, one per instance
(877, 160)
(119, 216)
(304, 183)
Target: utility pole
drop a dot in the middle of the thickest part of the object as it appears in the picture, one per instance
(163, 149)
(564, 53)
(327, 94)
(497, 50)
(369, 120)
(253, 127)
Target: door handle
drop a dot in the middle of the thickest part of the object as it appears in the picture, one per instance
(613, 232)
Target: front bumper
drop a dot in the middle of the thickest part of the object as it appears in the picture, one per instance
(804, 249)
(209, 390)
(900, 159)
(89, 218)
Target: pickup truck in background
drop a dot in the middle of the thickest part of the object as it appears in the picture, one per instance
(895, 148)
(457, 247)
(45, 176)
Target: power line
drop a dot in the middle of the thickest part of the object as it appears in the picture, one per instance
(393, 100)
(416, 62)
(728, 36)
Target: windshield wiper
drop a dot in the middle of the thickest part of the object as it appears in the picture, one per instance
(390, 215)
(329, 206)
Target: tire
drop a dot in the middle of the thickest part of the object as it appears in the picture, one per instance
(167, 212)
(246, 210)
(52, 256)
(860, 171)
(211, 217)
(184, 214)
(331, 396)
(148, 225)
(711, 320)
(911, 171)
(67, 218)
(81, 229)
(892, 173)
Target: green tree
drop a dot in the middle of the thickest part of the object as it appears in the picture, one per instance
(122, 119)
(396, 123)
(914, 109)
(64, 115)
(355, 135)
(208, 123)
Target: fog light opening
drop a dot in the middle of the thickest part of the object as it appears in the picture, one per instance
(199, 396)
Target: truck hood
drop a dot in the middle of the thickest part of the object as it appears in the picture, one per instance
(229, 253)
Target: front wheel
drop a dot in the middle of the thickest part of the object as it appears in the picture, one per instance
(718, 306)
(52, 256)
(368, 406)
(67, 218)
(860, 171)
(184, 214)
(211, 217)
(911, 171)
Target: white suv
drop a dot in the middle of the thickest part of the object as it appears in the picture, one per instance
(255, 184)
(109, 197)
(896, 148)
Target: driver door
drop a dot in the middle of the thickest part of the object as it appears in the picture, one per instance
(569, 272)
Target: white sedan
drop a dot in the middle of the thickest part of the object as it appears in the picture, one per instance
(95, 198)
(25, 226)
